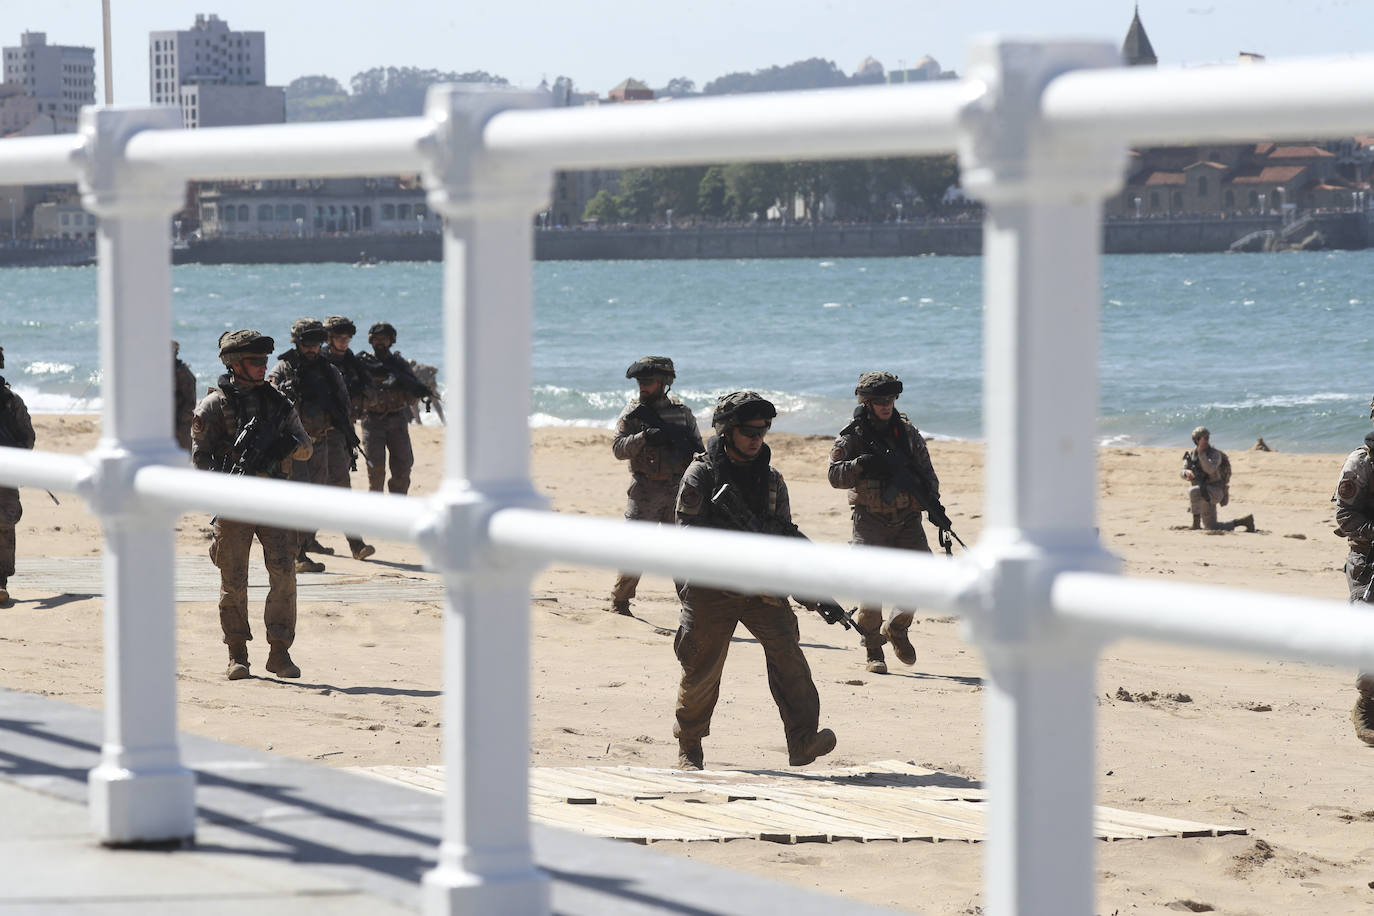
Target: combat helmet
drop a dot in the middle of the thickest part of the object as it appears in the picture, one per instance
(236, 344)
(338, 324)
(307, 331)
(878, 385)
(739, 407)
(380, 328)
(652, 367)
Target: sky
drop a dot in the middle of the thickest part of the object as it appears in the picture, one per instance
(598, 43)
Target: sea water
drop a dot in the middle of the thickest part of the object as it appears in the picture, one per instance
(1272, 345)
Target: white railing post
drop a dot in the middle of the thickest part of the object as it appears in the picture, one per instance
(140, 792)
(486, 863)
(1041, 298)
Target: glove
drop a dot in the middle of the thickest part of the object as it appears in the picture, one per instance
(655, 436)
(873, 467)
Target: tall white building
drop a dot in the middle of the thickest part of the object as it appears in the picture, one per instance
(60, 78)
(181, 64)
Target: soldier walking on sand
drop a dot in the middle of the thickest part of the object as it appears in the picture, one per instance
(1355, 521)
(737, 456)
(184, 391)
(387, 404)
(884, 463)
(317, 390)
(658, 435)
(16, 431)
(1210, 471)
(272, 436)
(342, 443)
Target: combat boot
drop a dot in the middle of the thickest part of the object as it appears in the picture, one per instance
(4, 597)
(820, 744)
(313, 545)
(621, 606)
(306, 565)
(901, 644)
(279, 662)
(1248, 523)
(361, 549)
(238, 661)
(876, 663)
(1197, 522)
(1363, 717)
(689, 755)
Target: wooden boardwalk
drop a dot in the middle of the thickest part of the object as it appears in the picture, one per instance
(888, 800)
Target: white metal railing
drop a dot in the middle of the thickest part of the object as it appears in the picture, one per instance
(1041, 129)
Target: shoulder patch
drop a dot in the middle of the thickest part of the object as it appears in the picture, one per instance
(836, 454)
(689, 499)
(1347, 490)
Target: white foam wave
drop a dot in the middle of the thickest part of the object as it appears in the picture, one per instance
(1286, 400)
(544, 419)
(40, 367)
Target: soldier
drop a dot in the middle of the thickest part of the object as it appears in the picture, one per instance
(317, 390)
(1210, 471)
(1355, 521)
(241, 397)
(386, 411)
(658, 435)
(342, 443)
(884, 463)
(184, 389)
(16, 431)
(736, 455)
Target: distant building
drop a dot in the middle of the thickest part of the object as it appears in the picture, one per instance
(59, 78)
(1136, 50)
(63, 221)
(926, 69)
(630, 90)
(17, 109)
(216, 75)
(311, 207)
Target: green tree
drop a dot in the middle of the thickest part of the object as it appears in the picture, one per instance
(712, 193)
(678, 188)
(931, 177)
(602, 208)
(305, 87)
(638, 196)
(851, 183)
(810, 181)
(754, 186)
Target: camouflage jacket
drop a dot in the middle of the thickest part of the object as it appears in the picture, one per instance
(1355, 498)
(1217, 467)
(317, 390)
(221, 413)
(656, 462)
(383, 396)
(184, 391)
(356, 378)
(16, 427)
(867, 492)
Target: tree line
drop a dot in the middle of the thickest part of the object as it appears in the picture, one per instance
(867, 190)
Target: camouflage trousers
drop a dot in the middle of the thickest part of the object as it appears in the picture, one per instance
(1357, 573)
(383, 434)
(229, 550)
(903, 532)
(10, 513)
(705, 627)
(338, 472)
(649, 501)
(1206, 509)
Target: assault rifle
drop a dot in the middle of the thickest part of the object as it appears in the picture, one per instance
(1191, 463)
(393, 374)
(900, 475)
(734, 508)
(679, 439)
(259, 443)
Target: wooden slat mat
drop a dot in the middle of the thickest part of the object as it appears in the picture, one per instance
(888, 800)
(197, 579)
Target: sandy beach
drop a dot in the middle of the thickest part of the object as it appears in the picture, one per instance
(1224, 739)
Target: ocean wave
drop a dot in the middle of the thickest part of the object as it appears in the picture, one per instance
(40, 367)
(544, 419)
(1286, 400)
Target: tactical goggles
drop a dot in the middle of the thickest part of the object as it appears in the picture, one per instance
(882, 402)
(255, 361)
(754, 432)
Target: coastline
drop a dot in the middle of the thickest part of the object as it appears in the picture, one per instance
(1259, 743)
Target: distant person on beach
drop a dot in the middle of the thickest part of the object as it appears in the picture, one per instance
(882, 459)
(1210, 472)
(732, 482)
(317, 390)
(1355, 522)
(387, 403)
(245, 426)
(658, 435)
(184, 397)
(341, 443)
(16, 431)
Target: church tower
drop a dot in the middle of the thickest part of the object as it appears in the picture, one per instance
(1136, 49)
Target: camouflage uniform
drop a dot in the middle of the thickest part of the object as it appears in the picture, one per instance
(216, 424)
(16, 431)
(710, 616)
(1217, 467)
(336, 441)
(656, 471)
(386, 416)
(184, 389)
(1355, 522)
(879, 523)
